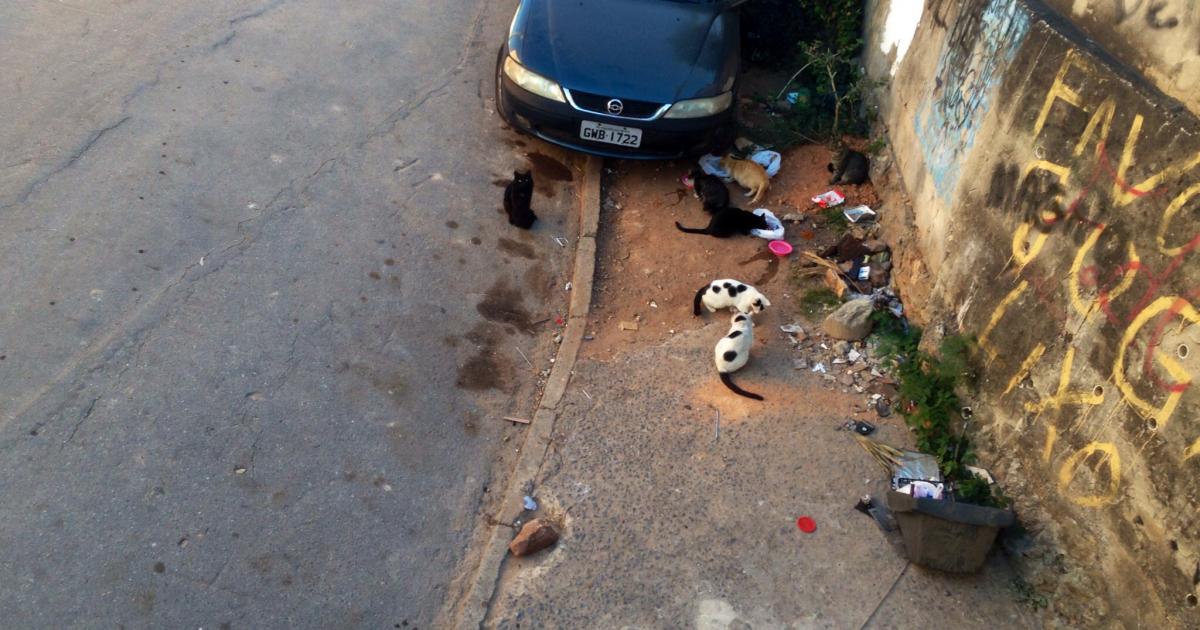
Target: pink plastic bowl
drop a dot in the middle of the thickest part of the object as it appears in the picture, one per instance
(780, 248)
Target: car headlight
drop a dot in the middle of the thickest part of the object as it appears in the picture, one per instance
(532, 81)
(700, 107)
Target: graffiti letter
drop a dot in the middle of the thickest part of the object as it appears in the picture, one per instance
(1066, 473)
(997, 315)
(1063, 397)
(1161, 415)
(1176, 205)
(1060, 91)
(1123, 192)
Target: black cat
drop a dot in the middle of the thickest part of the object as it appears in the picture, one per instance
(849, 167)
(517, 196)
(711, 191)
(727, 222)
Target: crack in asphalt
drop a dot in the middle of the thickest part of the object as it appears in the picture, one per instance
(259, 12)
(87, 413)
(70, 161)
(224, 41)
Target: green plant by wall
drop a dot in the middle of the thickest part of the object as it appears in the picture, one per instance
(930, 403)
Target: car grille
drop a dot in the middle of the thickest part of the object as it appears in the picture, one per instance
(599, 104)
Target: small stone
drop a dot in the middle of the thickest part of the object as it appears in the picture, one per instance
(793, 217)
(799, 364)
(626, 325)
(534, 536)
(240, 470)
(846, 379)
(858, 367)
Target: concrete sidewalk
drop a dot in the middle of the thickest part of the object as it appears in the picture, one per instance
(669, 524)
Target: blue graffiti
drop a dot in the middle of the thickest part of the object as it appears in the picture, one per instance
(977, 52)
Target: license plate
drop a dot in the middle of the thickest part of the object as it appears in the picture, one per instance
(612, 134)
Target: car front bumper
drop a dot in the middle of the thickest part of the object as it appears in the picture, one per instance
(662, 139)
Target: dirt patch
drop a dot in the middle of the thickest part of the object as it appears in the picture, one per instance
(509, 246)
(503, 304)
(648, 271)
(486, 369)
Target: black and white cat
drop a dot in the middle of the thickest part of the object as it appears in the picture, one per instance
(733, 352)
(730, 293)
(518, 194)
(727, 222)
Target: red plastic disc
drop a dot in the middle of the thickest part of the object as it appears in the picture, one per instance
(806, 524)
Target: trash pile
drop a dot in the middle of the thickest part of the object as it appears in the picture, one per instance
(855, 264)
(848, 365)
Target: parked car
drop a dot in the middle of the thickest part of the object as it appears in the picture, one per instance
(651, 79)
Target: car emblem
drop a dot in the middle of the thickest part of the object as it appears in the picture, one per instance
(615, 107)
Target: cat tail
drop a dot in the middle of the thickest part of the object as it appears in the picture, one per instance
(696, 302)
(689, 230)
(725, 378)
(758, 194)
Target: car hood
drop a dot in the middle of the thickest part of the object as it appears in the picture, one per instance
(650, 50)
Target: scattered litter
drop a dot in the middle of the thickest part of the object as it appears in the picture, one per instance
(922, 489)
(653, 304)
(981, 473)
(839, 361)
(862, 427)
(819, 368)
(589, 396)
(859, 213)
(625, 325)
(559, 320)
(717, 436)
(240, 470)
(567, 287)
(530, 363)
(829, 198)
(853, 355)
(775, 232)
(588, 337)
(517, 420)
(534, 536)
(791, 329)
(799, 364)
(562, 242)
(864, 272)
(529, 503)
(806, 524)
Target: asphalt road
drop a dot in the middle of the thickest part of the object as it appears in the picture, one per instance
(260, 314)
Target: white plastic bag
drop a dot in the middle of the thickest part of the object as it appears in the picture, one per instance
(775, 232)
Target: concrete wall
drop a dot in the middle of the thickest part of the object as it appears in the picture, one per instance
(1053, 189)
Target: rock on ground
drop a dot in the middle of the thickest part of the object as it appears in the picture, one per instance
(852, 321)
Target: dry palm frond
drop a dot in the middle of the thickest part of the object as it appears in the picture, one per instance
(887, 456)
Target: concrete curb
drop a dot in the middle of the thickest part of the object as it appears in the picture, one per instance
(474, 607)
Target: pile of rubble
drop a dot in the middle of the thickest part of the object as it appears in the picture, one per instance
(848, 365)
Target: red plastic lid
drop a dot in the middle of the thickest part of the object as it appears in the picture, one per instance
(806, 524)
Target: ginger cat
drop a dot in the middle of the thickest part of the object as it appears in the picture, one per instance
(748, 174)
